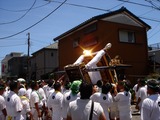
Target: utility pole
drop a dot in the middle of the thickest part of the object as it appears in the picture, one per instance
(28, 43)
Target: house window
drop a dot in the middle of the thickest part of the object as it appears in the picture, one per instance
(127, 36)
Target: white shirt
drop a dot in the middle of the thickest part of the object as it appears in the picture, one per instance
(2, 106)
(55, 102)
(51, 91)
(80, 110)
(46, 90)
(28, 93)
(124, 105)
(14, 105)
(6, 92)
(67, 98)
(35, 98)
(26, 106)
(136, 91)
(105, 100)
(142, 93)
(151, 108)
(42, 93)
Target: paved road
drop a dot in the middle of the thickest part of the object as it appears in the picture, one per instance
(135, 114)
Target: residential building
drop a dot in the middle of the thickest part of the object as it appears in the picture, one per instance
(126, 32)
(4, 63)
(17, 67)
(154, 57)
(43, 61)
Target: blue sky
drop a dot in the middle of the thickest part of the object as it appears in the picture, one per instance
(18, 17)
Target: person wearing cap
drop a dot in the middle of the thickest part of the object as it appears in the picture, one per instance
(54, 102)
(70, 96)
(13, 103)
(142, 93)
(3, 112)
(26, 112)
(151, 105)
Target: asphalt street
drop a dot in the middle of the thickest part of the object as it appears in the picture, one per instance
(135, 114)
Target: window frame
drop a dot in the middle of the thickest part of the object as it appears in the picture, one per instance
(129, 38)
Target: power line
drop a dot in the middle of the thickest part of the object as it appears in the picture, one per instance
(147, 12)
(153, 4)
(35, 23)
(77, 6)
(39, 41)
(150, 19)
(24, 9)
(95, 8)
(21, 16)
(11, 45)
(154, 34)
(136, 3)
(82, 6)
(109, 10)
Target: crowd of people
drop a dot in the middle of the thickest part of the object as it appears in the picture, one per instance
(79, 100)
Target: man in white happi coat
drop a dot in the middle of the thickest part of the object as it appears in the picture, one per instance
(80, 109)
(13, 103)
(142, 93)
(25, 102)
(70, 96)
(55, 102)
(150, 109)
(104, 98)
(36, 101)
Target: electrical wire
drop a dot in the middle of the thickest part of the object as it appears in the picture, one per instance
(109, 10)
(24, 9)
(35, 23)
(127, 1)
(147, 12)
(154, 34)
(39, 41)
(156, 6)
(95, 8)
(21, 16)
(78, 6)
(82, 6)
(149, 19)
(13, 45)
